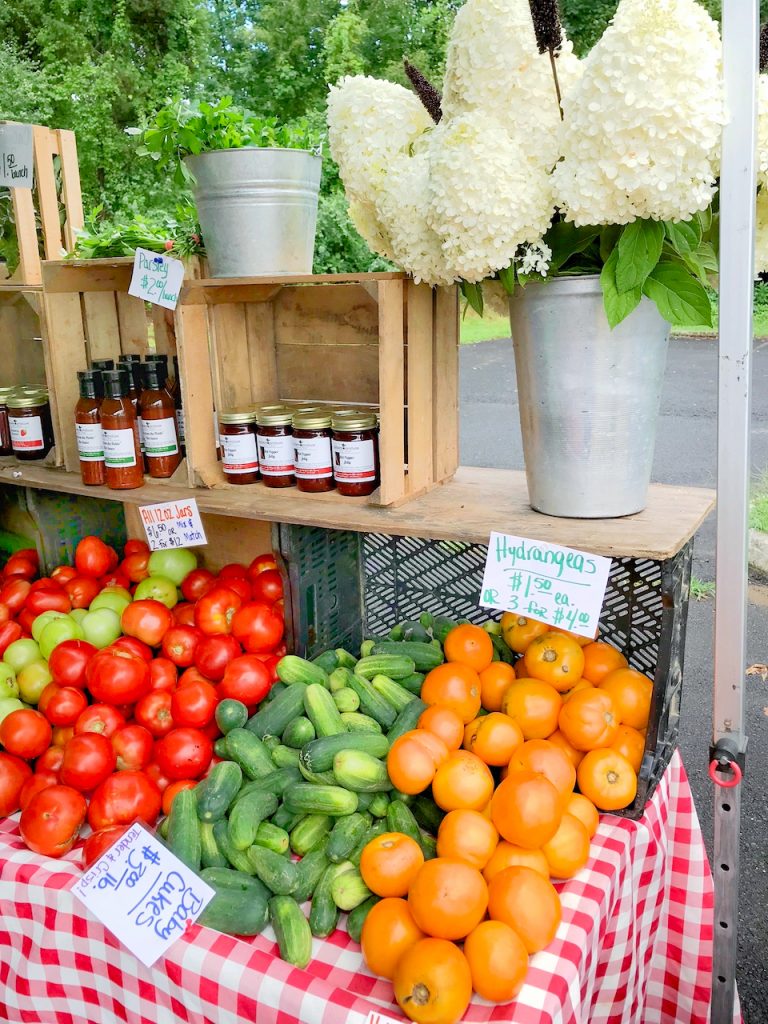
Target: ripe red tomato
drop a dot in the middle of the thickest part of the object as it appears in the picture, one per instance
(171, 790)
(260, 564)
(267, 586)
(21, 567)
(63, 574)
(68, 661)
(135, 547)
(33, 785)
(97, 843)
(62, 733)
(214, 653)
(136, 566)
(117, 677)
(123, 797)
(258, 627)
(133, 747)
(101, 718)
(116, 578)
(43, 583)
(184, 753)
(197, 583)
(234, 570)
(25, 733)
(26, 619)
(215, 611)
(81, 591)
(14, 773)
(179, 644)
(194, 704)
(94, 558)
(5, 613)
(147, 620)
(62, 705)
(183, 614)
(50, 760)
(240, 585)
(88, 760)
(245, 679)
(134, 646)
(9, 633)
(51, 821)
(154, 713)
(14, 593)
(155, 774)
(270, 662)
(47, 599)
(192, 675)
(163, 675)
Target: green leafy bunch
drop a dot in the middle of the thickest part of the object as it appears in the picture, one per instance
(182, 128)
(177, 234)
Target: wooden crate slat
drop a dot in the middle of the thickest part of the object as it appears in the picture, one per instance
(74, 276)
(102, 328)
(29, 270)
(445, 383)
(347, 375)
(230, 342)
(22, 359)
(419, 305)
(391, 390)
(260, 331)
(333, 315)
(164, 330)
(132, 321)
(197, 393)
(70, 186)
(44, 147)
(65, 344)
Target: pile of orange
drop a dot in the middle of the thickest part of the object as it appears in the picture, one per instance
(503, 749)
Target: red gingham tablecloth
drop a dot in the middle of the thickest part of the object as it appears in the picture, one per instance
(635, 945)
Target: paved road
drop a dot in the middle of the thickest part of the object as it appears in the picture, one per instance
(685, 454)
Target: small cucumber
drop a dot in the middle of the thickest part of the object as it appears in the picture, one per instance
(366, 647)
(327, 661)
(427, 813)
(237, 858)
(271, 742)
(324, 915)
(309, 870)
(298, 732)
(378, 828)
(250, 753)
(338, 678)
(345, 835)
(284, 819)
(319, 778)
(246, 816)
(356, 722)
(360, 772)
(378, 806)
(304, 798)
(407, 719)
(372, 703)
(397, 695)
(400, 819)
(318, 755)
(441, 627)
(277, 873)
(210, 854)
(220, 748)
(346, 700)
(292, 670)
(163, 827)
(428, 846)
(309, 832)
(231, 714)
(348, 889)
(425, 657)
(345, 659)
(357, 917)
(277, 782)
(215, 793)
(285, 757)
(322, 711)
(273, 837)
(394, 666)
(184, 829)
(236, 913)
(413, 683)
(294, 936)
(272, 718)
(234, 881)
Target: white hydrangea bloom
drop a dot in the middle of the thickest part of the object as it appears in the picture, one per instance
(762, 131)
(363, 215)
(642, 125)
(761, 233)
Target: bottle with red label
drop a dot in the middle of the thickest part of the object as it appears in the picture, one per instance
(312, 450)
(355, 446)
(274, 438)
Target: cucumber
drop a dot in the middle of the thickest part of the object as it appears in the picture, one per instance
(285, 757)
(319, 778)
(246, 816)
(231, 714)
(327, 661)
(441, 627)
(407, 719)
(413, 683)
(424, 656)
(184, 829)
(357, 917)
(364, 801)
(277, 873)
(378, 806)
(346, 700)
(280, 780)
(284, 819)
(220, 748)
(410, 630)
(357, 722)
(378, 828)
(234, 881)
(294, 937)
(322, 711)
(215, 793)
(372, 703)
(394, 666)
(298, 732)
(360, 772)
(272, 836)
(237, 858)
(400, 819)
(345, 659)
(324, 915)
(309, 870)
(309, 832)
(236, 913)
(163, 827)
(210, 854)
(427, 813)
(304, 798)
(428, 846)
(250, 753)
(318, 755)
(292, 669)
(338, 678)
(271, 720)
(397, 695)
(348, 889)
(345, 835)
(271, 742)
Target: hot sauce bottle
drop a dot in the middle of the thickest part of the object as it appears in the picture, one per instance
(122, 452)
(158, 415)
(90, 437)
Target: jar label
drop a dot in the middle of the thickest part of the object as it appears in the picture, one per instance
(180, 425)
(90, 442)
(119, 448)
(141, 433)
(353, 461)
(313, 457)
(26, 433)
(239, 454)
(276, 455)
(160, 438)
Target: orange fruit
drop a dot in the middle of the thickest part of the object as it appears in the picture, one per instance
(560, 741)
(631, 693)
(448, 898)
(549, 760)
(494, 680)
(582, 641)
(453, 686)
(580, 684)
(607, 779)
(600, 659)
(589, 719)
(526, 809)
(390, 862)
(411, 763)
(568, 850)
(469, 645)
(518, 631)
(528, 903)
(387, 934)
(631, 744)
(534, 705)
(493, 738)
(445, 724)
(433, 982)
(555, 659)
(498, 961)
(507, 855)
(464, 781)
(467, 836)
(583, 809)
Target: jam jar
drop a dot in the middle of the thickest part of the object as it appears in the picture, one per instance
(29, 420)
(312, 450)
(274, 436)
(5, 429)
(355, 445)
(240, 458)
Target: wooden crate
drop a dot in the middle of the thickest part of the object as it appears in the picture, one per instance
(372, 339)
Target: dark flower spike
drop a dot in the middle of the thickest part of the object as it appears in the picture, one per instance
(546, 25)
(764, 48)
(427, 93)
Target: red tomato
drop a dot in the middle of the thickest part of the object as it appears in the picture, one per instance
(267, 586)
(183, 614)
(81, 591)
(179, 644)
(171, 790)
(51, 821)
(115, 579)
(155, 774)
(44, 583)
(62, 705)
(93, 558)
(14, 773)
(25, 733)
(101, 718)
(270, 662)
(50, 760)
(192, 675)
(62, 733)
(33, 785)
(26, 619)
(134, 646)
(14, 593)
(163, 675)
(88, 760)
(183, 753)
(68, 661)
(97, 843)
(261, 564)
(63, 574)
(117, 677)
(154, 713)
(258, 628)
(9, 632)
(245, 679)
(5, 613)
(136, 566)
(197, 583)
(215, 611)
(135, 547)
(148, 621)
(214, 653)
(20, 567)
(194, 704)
(240, 585)
(133, 746)
(47, 599)
(123, 797)
(233, 571)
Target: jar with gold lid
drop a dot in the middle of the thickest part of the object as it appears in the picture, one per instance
(355, 447)
(274, 436)
(29, 422)
(240, 457)
(312, 450)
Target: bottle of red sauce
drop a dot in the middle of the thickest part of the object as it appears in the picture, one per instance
(90, 437)
(158, 416)
(122, 451)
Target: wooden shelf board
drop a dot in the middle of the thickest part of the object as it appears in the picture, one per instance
(467, 508)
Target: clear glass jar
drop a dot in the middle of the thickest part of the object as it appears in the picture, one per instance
(240, 456)
(29, 421)
(274, 436)
(5, 429)
(355, 445)
(312, 450)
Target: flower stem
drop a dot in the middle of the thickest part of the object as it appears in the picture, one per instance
(553, 62)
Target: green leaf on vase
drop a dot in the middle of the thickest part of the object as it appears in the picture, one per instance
(679, 297)
(618, 305)
(639, 250)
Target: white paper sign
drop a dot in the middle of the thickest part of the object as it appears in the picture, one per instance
(560, 586)
(156, 278)
(16, 155)
(143, 894)
(173, 524)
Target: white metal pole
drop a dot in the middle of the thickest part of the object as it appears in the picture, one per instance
(737, 224)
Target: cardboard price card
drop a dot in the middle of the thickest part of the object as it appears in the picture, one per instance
(553, 584)
(16, 167)
(156, 278)
(143, 894)
(173, 524)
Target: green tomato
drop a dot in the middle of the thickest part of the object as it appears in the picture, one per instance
(158, 588)
(115, 598)
(56, 632)
(21, 653)
(32, 680)
(42, 621)
(8, 685)
(9, 704)
(101, 628)
(174, 564)
(78, 614)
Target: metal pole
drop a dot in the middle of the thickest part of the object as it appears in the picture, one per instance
(737, 224)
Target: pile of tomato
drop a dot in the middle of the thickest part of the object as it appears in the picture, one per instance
(110, 677)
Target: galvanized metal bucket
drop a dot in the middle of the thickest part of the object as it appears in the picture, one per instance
(589, 398)
(257, 209)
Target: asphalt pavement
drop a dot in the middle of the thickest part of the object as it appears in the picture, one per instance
(686, 453)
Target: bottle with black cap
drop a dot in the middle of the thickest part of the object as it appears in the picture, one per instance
(90, 438)
(161, 360)
(158, 417)
(177, 402)
(122, 452)
(135, 370)
(102, 364)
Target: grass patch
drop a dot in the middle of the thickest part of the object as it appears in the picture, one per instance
(476, 328)
(701, 589)
(758, 505)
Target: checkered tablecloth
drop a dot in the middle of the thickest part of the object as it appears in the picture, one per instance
(635, 945)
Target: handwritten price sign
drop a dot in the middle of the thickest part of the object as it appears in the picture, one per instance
(143, 894)
(156, 278)
(16, 155)
(173, 524)
(560, 586)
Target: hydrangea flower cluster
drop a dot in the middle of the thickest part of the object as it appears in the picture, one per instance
(761, 233)
(642, 125)
(762, 130)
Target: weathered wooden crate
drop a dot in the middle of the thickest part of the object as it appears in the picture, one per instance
(365, 340)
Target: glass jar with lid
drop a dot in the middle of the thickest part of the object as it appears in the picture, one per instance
(29, 421)
(240, 457)
(5, 429)
(312, 450)
(355, 446)
(274, 436)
